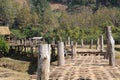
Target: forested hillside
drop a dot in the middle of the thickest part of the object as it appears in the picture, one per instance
(80, 19)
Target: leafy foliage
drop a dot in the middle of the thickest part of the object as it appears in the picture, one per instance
(82, 19)
(4, 47)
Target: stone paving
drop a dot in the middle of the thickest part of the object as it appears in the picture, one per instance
(85, 68)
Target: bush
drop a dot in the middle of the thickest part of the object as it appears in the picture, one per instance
(4, 47)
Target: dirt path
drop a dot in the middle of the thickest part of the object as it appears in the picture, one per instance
(85, 68)
(81, 68)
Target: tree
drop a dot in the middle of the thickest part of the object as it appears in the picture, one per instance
(40, 5)
(24, 17)
(8, 12)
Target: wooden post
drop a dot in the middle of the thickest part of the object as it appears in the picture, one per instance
(98, 44)
(110, 46)
(53, 41)
(91, 43)
(53, 52)
(101, 43)
(49, 55)
(22, 42)
(73, 51)
(30, 41)
(36, 42)
(72, 43)
(61, 39)
(25, 42)
(65, 43)
(43, 62)
(68, 40)
(82, 43)
(31, 46)
(18, 42)
(61, 59)
(76, 44)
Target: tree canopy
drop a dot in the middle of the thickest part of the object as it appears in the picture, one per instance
(81, 19)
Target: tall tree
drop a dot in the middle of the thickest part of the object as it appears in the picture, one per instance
(7, 12)
(40, 5)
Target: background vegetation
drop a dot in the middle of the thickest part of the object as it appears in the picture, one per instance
(4, 47)
(81, 19)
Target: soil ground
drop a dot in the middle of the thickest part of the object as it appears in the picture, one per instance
(81, 68)
(85, 68)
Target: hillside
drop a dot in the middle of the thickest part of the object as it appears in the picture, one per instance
(21, 1)
(61, 18)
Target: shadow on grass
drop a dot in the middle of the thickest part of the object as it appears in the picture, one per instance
(33, 61)
(117, 49)
(32, 68)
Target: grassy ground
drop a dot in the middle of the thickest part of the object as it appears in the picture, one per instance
(17, 65)
(8, 74)
(13, 69)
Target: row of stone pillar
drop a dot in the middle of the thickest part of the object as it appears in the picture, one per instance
(44, 55)
(99, 43)
(44, 59)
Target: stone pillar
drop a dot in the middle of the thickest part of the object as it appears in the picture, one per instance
(61, 58)
(82, 43)
(68, 40)
(91, 43)
(73, 51)
(43, 62)
(110, 46)
(101, 43)
(98, 44)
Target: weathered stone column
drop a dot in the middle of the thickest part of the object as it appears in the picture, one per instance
(73, 51)
(82, 43)
(110, 46)
(53, 41)
(43, 62)
(72, 43)
(101, 43)
(68, 40)
(91, 43)
(61, 59)
(98, 44)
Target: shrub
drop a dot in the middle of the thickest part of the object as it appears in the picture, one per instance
(4, 47)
